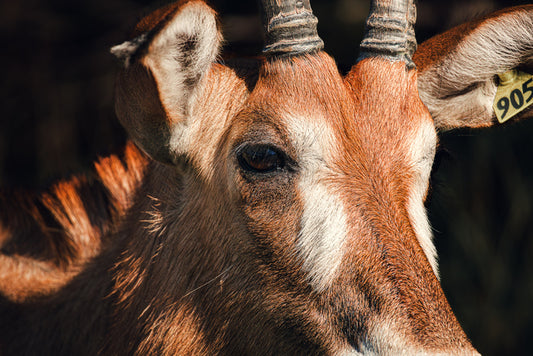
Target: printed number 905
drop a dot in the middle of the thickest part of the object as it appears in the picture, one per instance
(516, 98)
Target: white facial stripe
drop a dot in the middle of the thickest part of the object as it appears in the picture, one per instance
(323, 234)
(323, 225)
(422, 152)
(386, 339)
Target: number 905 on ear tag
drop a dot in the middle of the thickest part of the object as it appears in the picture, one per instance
(514, 94)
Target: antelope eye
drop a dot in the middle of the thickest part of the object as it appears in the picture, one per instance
(260, 158)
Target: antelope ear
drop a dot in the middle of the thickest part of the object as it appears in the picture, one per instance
(458, 70)
(164, 67)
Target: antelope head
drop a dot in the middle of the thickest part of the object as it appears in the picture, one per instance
(288, 201)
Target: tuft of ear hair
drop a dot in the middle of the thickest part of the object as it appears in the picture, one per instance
(126, 50)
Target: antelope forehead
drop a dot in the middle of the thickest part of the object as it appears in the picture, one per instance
(322, 239)
(313, 140)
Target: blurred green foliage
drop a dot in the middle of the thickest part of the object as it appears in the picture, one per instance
(57, 116)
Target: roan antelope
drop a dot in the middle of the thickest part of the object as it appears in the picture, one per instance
(278, 207)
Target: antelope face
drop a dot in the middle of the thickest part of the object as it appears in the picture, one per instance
(330, 176)
(316, 181)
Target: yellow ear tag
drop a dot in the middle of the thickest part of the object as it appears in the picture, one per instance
(514, 94)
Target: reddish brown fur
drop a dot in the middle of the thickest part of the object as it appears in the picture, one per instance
(431, 51)
(202, 257)
(158, 17)
(381, 186)
(320, 92)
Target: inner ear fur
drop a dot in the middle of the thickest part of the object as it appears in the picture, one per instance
(164, 68)
(458, 69)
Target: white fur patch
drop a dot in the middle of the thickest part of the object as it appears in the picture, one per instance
(387, 340)
(321, 239)
(384, 341)
(179, 56)
(323, 225)
(422, 152)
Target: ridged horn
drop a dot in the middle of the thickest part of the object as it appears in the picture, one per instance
(290, 28)
(389, 31)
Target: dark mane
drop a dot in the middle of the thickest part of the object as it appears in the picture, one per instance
(68, 224)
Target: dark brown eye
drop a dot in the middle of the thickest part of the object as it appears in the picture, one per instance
(260, 159)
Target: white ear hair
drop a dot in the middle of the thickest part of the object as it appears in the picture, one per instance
(181, 53)
(163, 69)
(459, 85)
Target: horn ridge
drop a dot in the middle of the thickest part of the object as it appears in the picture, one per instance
(389, 31)
(290, 28)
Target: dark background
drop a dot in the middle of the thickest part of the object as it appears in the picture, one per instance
(56, 117)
